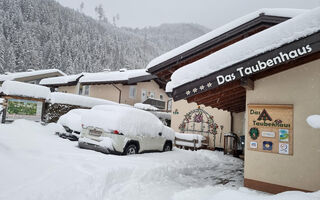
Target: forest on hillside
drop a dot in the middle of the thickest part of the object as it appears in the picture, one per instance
(42, 34)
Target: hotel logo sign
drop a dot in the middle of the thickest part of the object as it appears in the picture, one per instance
(267, 120)
(262, 65)
(268, 127)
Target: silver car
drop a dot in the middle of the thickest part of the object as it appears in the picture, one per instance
(124, 130)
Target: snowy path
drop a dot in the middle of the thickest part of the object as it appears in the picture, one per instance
(36, 164)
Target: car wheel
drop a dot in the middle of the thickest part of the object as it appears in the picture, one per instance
(131, 149)
(167, 146)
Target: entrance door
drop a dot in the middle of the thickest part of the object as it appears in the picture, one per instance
(143, 95)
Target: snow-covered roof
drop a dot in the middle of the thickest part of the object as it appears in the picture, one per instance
(280, 12)
(60, 80)
(293, 29)
(162, 115)
(17, 75)
(113, 76)
(78, 100)
(25, 89)
(143, 106)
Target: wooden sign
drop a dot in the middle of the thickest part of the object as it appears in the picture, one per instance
(270, 128)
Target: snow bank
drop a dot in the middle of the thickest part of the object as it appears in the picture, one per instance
(219, 192)
(15, 75)
(72, 119)
(300, 26)
(314, 121)
(144, 106)
(25, 89)
(127, 120)
(60, 80)
(38, 165)
(113, 76)
(190, 137)
(78, 100)
(281, 12)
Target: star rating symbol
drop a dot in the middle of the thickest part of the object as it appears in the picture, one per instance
(188, 92)
(209, 84)
(195, 90)
(201, 87)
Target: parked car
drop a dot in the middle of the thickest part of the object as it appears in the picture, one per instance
(124, 130)
(71, 122)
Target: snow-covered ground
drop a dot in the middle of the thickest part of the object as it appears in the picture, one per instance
(36, 164)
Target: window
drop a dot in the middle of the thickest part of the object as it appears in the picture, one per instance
(132, 92)
(161, 97)
(169, 104)
(152, 95)
(80, 89)
(84, 90)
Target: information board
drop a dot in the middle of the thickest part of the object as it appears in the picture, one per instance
(23, 109)
(270, 128)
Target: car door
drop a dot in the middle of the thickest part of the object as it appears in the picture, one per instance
(158, 141)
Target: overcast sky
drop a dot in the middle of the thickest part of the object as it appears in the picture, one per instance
(210, 13)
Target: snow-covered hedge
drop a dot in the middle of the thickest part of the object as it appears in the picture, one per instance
(77, 100)
(25, 89)
(314, 121)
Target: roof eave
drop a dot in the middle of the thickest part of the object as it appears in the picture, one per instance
(262, 19)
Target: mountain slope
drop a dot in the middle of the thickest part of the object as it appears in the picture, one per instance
(41, 34)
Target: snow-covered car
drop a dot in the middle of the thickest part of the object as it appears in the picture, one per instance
(71, 122)
(124, 130)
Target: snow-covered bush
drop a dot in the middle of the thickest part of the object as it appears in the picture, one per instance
(314, 121)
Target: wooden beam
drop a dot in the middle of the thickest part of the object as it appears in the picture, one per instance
(235, 105)
(228, 101)
(216, 91)
(225, 101)
(247, 83)
(217, 98)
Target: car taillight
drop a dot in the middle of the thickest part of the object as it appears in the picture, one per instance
(116, 132)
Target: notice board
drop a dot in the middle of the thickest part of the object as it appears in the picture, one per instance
(23, 108)
(270, 128)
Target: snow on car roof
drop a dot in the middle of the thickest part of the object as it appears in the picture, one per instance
(60, 80)
(127, 120)
(72, 119)
(298, 27)
(79, 100)
(113, 76)
(281, 12)
(15, 75)
(25, 89)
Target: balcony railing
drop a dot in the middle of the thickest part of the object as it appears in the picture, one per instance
(156, 103)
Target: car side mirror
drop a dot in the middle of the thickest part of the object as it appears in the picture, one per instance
(160, 134)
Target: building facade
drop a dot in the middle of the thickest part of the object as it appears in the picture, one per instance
(269, 81)
(127, 87)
